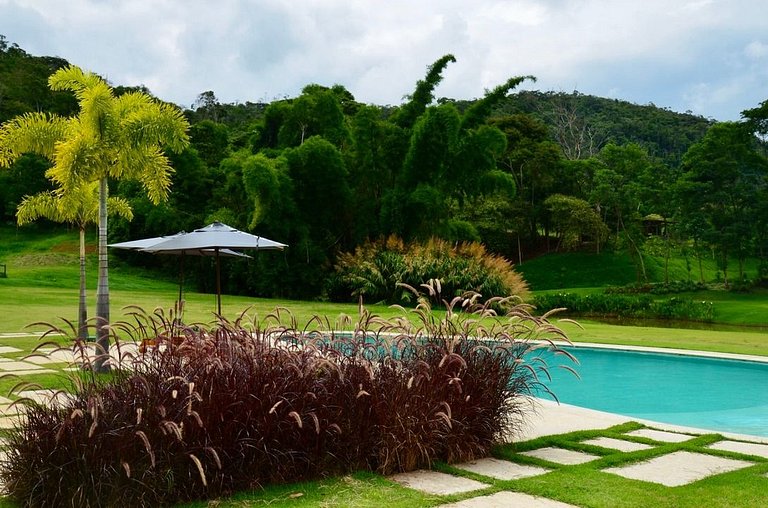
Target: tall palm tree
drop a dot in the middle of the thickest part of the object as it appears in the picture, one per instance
(111, 137)
(80, 209)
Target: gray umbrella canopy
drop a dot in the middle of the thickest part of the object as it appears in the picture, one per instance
(214, 236)
(217, 237)
(145, 243)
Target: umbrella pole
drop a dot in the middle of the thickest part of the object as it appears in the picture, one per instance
(181, 287)
(218, 280)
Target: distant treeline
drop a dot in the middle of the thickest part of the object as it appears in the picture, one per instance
(521, 172)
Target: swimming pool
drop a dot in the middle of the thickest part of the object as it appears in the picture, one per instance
(709, 393)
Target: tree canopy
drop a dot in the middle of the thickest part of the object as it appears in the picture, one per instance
(523, 172)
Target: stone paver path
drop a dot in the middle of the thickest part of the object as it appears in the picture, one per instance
(501, 469)
(617, 444)
(434, 482)
(507, 499)
(18, 366)
(561, 455)
(678, 468)
(761, 450)
(661, 435)
(45, 396)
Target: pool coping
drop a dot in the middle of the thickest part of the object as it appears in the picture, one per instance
(668, 351)
(574, 414)
(548, 417)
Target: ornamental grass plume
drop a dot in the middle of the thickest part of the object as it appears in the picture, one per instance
(201, 411)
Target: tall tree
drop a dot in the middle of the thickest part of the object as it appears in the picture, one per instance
(109, 138)
(423, 96)
(80, 208)
(723, 181)
(619, 194)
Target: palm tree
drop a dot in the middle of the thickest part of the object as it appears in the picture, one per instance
(119, 138)
(80, 209)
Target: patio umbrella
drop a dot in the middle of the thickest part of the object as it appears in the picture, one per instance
(217, 237)
(143, 244)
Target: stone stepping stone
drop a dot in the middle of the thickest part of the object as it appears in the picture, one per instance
(678, 468)
(434, 482)
(561, 456)
(31, 372)
(617, 444)
(43, 360)
(506, 499)
(16, 366)
(501, 469)
(7, 410)
(8, 422)
(45, 396)
(661, 435)
(8, 349)
(761, 450)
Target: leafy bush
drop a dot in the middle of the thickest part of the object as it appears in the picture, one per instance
(610, 304)
(376, 269)
(204, 412)
(659, 288)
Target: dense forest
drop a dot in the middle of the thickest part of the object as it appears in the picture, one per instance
(522, 173)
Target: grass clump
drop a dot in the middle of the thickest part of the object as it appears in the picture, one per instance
(200, 412)
(379, 270)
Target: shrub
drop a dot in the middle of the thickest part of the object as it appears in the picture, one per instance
(659, 288)
(375, 269)
(611, 304)
(202, 412)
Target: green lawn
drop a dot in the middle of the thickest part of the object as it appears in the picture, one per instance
(42, 286)
(581, 485)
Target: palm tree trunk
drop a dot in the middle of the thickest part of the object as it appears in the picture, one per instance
(102, 291)
(82, 316)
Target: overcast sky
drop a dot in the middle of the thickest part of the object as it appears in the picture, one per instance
(706, 56)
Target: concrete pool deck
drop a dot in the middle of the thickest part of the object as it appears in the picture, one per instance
(548, 417)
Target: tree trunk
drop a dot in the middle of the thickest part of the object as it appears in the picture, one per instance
(666, 258)
(634, 251)
(741, 269)
(697, 251)
(102, 292)
(82, 315)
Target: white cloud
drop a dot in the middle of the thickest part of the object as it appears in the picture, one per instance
(756, 50)
(699, 55)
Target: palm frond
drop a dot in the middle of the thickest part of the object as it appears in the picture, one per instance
(32, 132)
(33, 207)
(118, 206)
(74, 79)
(148, 165)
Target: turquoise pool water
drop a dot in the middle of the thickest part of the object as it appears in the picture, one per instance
(709, 393)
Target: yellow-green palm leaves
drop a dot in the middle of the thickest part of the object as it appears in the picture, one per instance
(112, 137)
(116, 137)
(81, 208)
